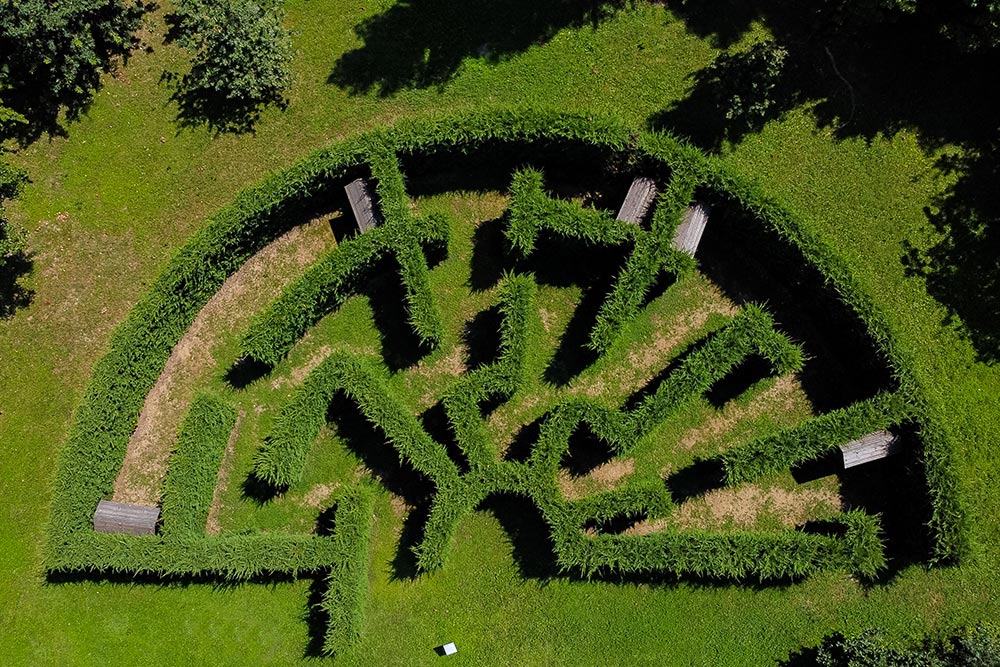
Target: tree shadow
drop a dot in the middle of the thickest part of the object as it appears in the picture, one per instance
(868, 72)
(199, 107)
(14, 295)
(962, 269)
(423, 43)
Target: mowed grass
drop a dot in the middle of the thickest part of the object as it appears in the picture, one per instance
(110, 203)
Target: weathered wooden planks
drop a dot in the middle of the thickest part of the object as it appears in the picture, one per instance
(359, 194)
(688, 234)
(111, 517)
(640, 197)
(872, 447)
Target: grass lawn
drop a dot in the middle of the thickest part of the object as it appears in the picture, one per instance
(110, 203)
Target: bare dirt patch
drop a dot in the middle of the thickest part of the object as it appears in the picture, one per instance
(318, 494)
(785, 396)
(258, 281)
(602, 478)
(742, 507)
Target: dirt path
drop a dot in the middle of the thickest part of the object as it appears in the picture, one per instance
(227, 313)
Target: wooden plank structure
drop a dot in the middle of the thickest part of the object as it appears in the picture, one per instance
(688, 234)
(640, 197)
(111, 517)
(366, 212)
(872, 447)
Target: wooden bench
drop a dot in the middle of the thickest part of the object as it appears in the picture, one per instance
(872, 447)
(688, 234)
(640, 197)
(111, 517)
(367, 214)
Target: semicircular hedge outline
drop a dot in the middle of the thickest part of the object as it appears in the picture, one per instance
(140, 347)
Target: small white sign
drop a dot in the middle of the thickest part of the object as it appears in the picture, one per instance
(450, 649)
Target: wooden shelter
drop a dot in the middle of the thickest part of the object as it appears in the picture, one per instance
(637, 202)
(362, 199)
(688, 234)
(872, 447)
(111, 517)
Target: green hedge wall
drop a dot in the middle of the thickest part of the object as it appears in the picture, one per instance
(346, 594)
(139, 348)
(194, 466)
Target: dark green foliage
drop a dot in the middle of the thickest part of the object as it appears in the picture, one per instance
(194, 466)
(241, 61)
(970, 647)
(746, 82)
(346, 592)
(12, 239)
(52, 55)
(814, 438)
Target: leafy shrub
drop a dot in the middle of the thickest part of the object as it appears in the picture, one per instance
(52, 54)
(12, 238)
(970, 647)
(241, 61)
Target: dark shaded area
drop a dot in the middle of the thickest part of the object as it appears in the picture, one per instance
(831, 463)
(401, 347)
(585, 451)
(245, 372)
(435, 421)
(200, 107)
(522, 446)
(422, 43)
(751, 263)
(259, 490)
(14, 295)
(316, 618)
(695, 480)
(962, 269)
(490, 255)
(896, 489)
(869, 72)
(617, 524)
(370, 445)
(481, 336)
(525, 527)
(739, 380)
(565, 262)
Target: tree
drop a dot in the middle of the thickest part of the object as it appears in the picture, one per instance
(241, 61)
(52, 53)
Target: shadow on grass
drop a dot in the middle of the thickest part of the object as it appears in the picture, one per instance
(962, 268)
(422, 44)
(14, 295)
(753, 264)
(383, 463)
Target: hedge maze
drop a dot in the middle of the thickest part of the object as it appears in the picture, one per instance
(582, 541)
